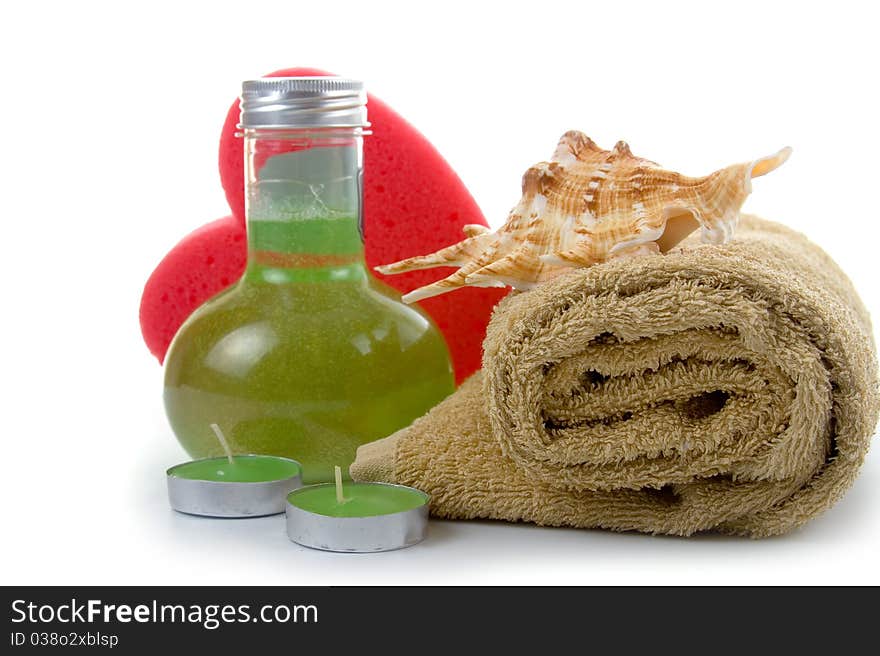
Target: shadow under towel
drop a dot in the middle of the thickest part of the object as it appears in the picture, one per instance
(729, 388)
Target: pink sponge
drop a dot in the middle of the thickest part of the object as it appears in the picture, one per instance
(414, 203)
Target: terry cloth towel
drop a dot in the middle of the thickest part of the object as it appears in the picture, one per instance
(729, 388)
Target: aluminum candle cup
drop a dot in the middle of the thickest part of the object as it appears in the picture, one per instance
(372, 517)
(250, 486)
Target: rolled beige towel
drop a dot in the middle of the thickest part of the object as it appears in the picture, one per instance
(730, 388)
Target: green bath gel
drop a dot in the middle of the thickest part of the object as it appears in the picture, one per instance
(243, 469)
(361, 499)
(307, 356)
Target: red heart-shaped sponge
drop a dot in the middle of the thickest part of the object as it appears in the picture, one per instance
(414, 203)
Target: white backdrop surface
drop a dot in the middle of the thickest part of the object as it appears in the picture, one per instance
(111, 116)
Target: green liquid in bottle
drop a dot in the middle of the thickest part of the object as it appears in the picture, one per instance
(307, 356)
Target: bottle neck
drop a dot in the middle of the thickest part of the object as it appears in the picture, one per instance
(303, 200)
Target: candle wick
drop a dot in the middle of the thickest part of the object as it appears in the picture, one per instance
(222, 439)
(337, 471)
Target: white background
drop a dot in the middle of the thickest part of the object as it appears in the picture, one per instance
(111, 118)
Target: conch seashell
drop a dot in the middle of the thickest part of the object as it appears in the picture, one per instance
(585, 206)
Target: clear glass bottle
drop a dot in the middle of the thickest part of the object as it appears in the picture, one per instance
(307, 356)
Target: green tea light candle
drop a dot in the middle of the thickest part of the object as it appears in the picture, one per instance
(357, 517)
(232, 486)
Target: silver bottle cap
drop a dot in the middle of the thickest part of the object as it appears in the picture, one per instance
(303, 102)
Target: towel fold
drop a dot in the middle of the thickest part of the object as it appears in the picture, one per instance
(729, 388)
